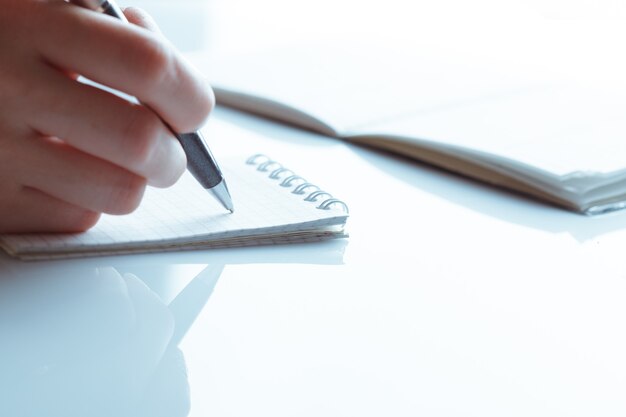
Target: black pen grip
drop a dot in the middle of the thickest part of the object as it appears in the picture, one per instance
(200, 161)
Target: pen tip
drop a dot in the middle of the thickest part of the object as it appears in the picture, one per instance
(220, 191)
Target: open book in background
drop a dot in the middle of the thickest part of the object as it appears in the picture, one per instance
(272, 206)
(561, 143)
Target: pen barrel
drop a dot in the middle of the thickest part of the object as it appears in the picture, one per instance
(200, 161)
(102, 6)
(113, 10)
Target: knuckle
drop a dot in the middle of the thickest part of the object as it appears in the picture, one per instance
(141, 18)
(199, 108)
(140, 138)
(126, 194)
(153, 59)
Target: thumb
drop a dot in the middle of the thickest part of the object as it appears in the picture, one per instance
(140, 17)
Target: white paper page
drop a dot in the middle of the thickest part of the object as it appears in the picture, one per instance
(562, 130)
(347, 86)
(187, 213)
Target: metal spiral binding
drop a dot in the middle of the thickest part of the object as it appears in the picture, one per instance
(301, 189)
(288, 179)
(288, 182)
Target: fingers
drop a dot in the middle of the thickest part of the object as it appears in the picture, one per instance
(34, 211)
(140, 18)
(108, 127)
(79, 179)
(127, 58)
(109, 148)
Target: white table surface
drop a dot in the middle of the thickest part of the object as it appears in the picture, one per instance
(450, 298)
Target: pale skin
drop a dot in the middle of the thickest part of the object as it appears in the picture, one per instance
(70, 151)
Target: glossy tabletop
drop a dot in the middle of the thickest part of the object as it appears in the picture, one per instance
(450, 298)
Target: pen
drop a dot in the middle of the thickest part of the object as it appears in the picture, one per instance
(200, 161)
(188, 304)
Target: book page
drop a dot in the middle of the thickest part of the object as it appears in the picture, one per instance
(186, 214)
(563, 129)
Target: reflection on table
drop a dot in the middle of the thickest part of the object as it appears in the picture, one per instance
(90, 341)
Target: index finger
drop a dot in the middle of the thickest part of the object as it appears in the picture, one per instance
(127, 58)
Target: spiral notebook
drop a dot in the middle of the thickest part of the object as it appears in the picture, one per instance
(273, 205)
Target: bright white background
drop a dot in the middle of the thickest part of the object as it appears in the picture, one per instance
(574, 39)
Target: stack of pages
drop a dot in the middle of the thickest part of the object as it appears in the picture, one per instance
(562, 143)
(272, 206)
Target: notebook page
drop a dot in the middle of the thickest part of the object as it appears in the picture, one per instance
(562, 129)
(188, 215)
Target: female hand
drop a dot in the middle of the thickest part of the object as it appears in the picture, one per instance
(71, 151)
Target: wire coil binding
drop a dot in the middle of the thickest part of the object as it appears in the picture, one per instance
(300, 185)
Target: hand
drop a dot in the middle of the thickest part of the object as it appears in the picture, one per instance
(70, 151)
